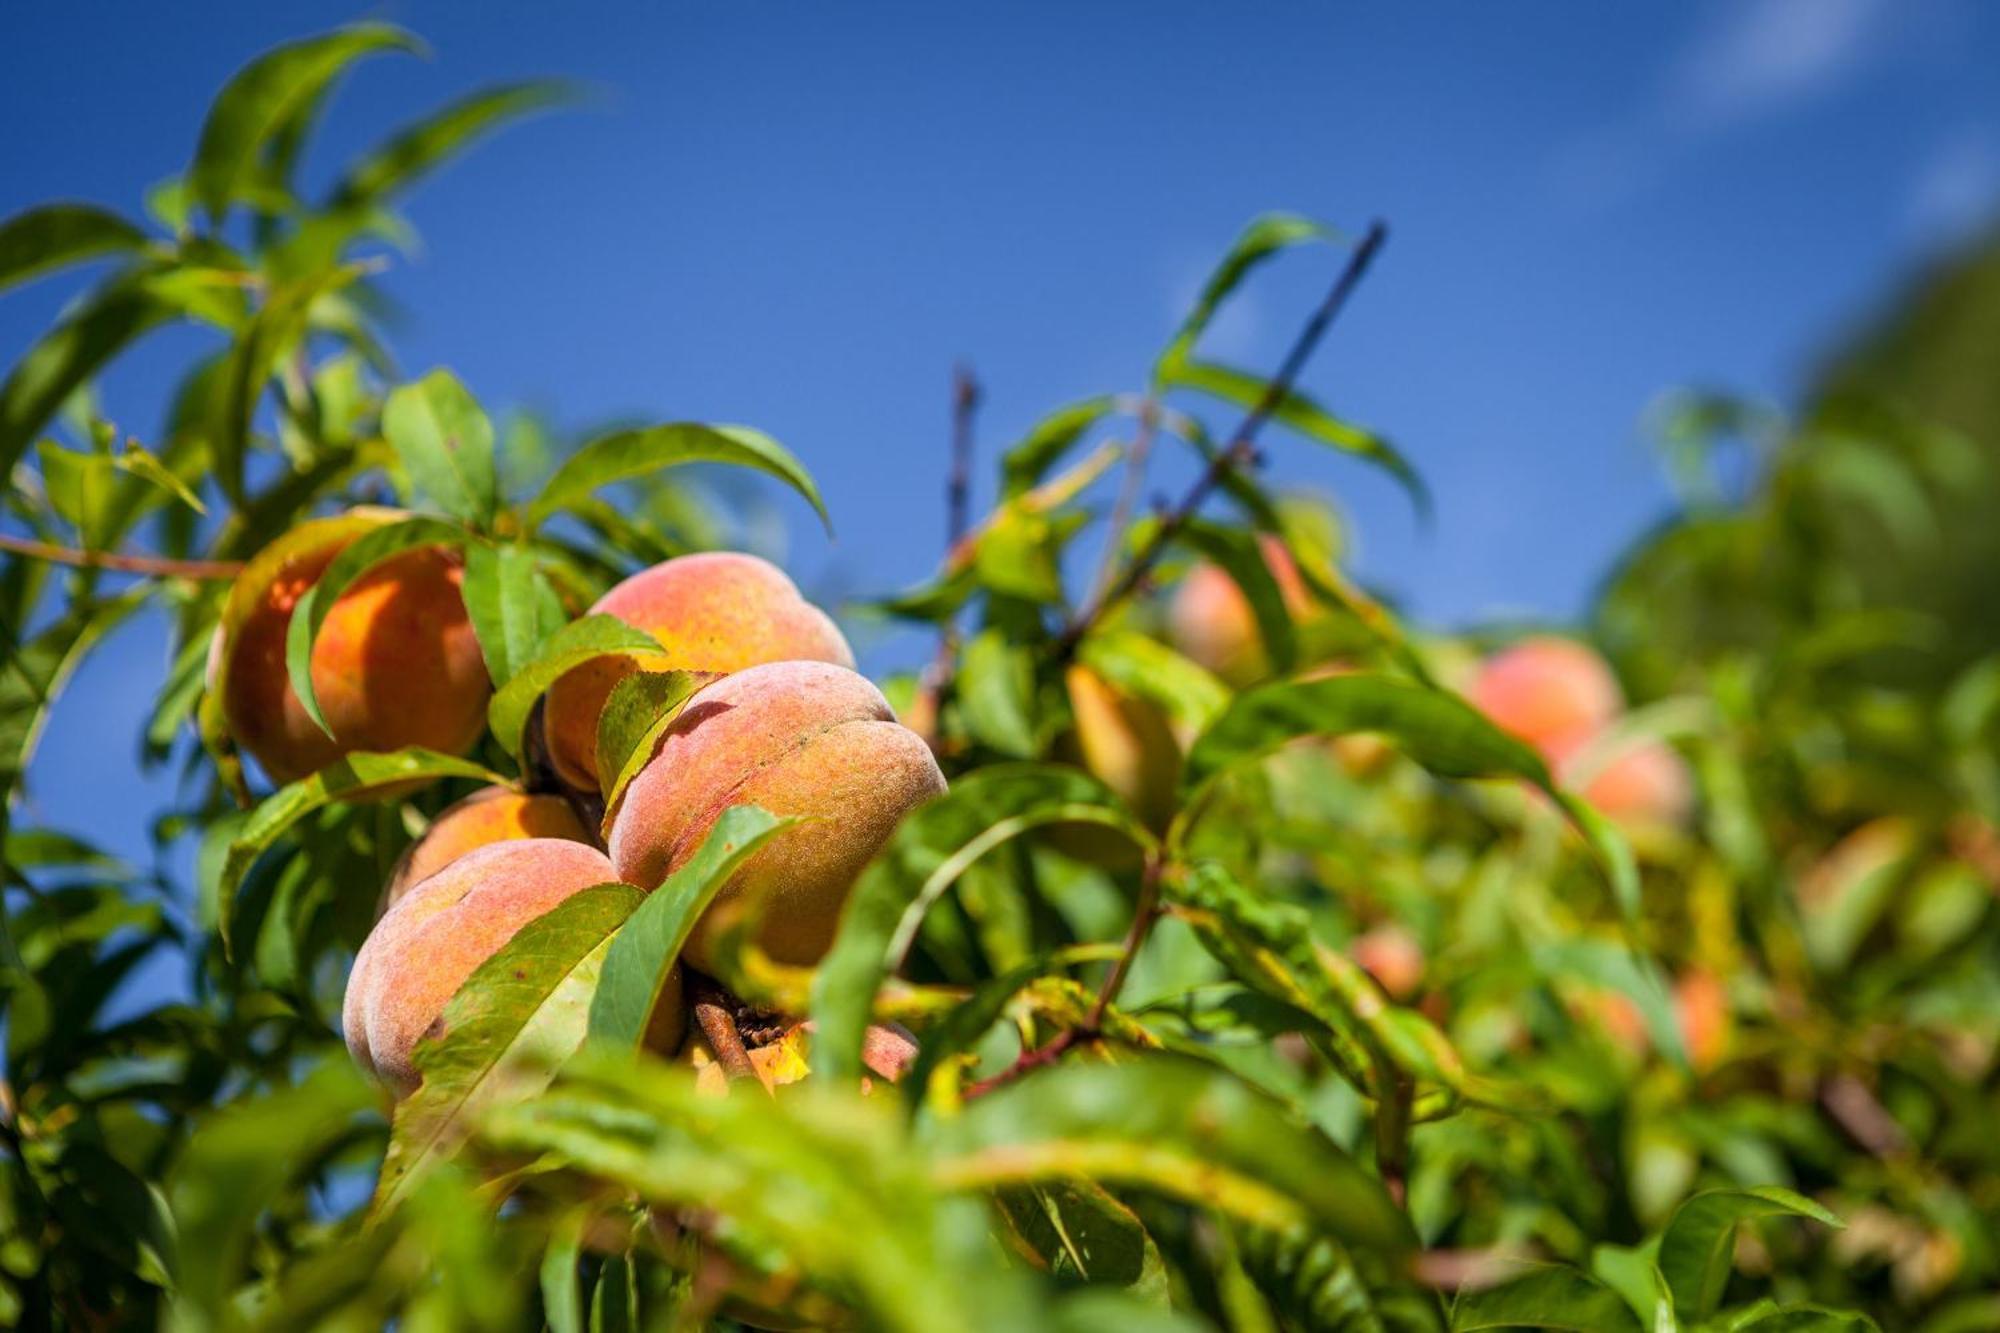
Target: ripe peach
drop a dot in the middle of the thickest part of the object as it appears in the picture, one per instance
(1125, 742)
(1701, 1009)
(1392, 956)
(797, 738)
(396, 662)
(438, 934)
(715, 611)
(1552, 693)
(489, 815)
(1210, 620)
(1646, 784)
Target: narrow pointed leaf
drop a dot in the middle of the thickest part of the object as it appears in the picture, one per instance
(512, 607)
(1024, 465)
(42, 240)
(68, 355)
(1698, 1247)
(415, 150)
(445, 443)
(1553, 1296)
(635, 453)
(644, 952)
(517, 1017)
(640, 709)
(264, 96)
(571, 646)
(1263, 238)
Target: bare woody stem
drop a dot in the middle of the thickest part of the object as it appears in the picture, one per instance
(965, 396)
(152, 566)
(1240, 452)
(718, 1026)
(1128, 492)
(1145, 913)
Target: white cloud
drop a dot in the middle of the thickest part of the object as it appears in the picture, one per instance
(1768, 54)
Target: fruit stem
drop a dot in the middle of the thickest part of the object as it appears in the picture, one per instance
(1240, 452)
(718, 1025)
(153, 566)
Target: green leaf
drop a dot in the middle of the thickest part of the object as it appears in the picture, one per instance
(1770, 1317)
(353, 777)
(1308, 418)
(634, 453)
(514, 1021)
(1698, 1247)
(639, 709)
(79, 489)
(569, 647)
(41, 240)
(445, 443)
(996, 694)
(237, 1165)
(1082, 1233)
(1549, 1296)
(67, 356)
(562, 1298)
(1024, 465)
(1141, 665)
(413, 151)
(930, 850)
(645, 950)
(1172, 1124)
(1263, 238)
(1241, 556)
(511, 604)
(264, 96)
(1441, 731)
(276, 329)
(142, 463)
(353, 563)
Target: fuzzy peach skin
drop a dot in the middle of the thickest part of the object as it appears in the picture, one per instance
(1126, 744)
(396, 663)
(715, 611)
(438, 934)
(1211, 623)
(1552, 693)
(798, 738)
(489, 815)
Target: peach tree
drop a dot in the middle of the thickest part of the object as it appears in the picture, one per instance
(574, 938)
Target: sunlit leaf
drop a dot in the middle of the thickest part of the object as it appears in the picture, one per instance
(571, 646)
(417, 149)
(1698, 1247)
(445, 443)
(636, 453)
(264, 96)
(1263, 238)
(646, 949)
(511, 604)
(40, 240)
(70, 354)
(638, 712)
(517, 1017)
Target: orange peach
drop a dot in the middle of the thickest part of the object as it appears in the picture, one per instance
(1645, 784)
(1552, 693)
(489, 815)
(438, 934)
(1124, 741)
(396, 662)
(715, 611)
(1701, 1009)
(1210, 620)
(798, 738)
(1392, 956)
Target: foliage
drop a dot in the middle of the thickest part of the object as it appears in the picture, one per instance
(1158, 1085)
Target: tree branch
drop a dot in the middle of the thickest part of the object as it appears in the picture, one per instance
(1239, 452)
(153, 566)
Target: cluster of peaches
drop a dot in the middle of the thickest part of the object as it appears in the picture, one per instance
(782, 721)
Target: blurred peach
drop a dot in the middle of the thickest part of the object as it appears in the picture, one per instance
(1392, 956)
(1553, 693)
(1210, 620)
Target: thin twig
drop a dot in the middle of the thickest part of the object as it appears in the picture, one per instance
(718, 1025)
(1145, 913)
(1240, 451)
(1128, 493)
(154, 566)
(936, 677)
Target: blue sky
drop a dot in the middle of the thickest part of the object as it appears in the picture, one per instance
(798, 216)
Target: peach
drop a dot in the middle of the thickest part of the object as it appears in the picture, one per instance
(1552, 693)
(438, 934)
(1125, 743)
(396, 662)
(715, 611)
(1211, 623)
(798, 738)
(1701, 1010)
(489, 815)
(1392, 956)
(1645, 784)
